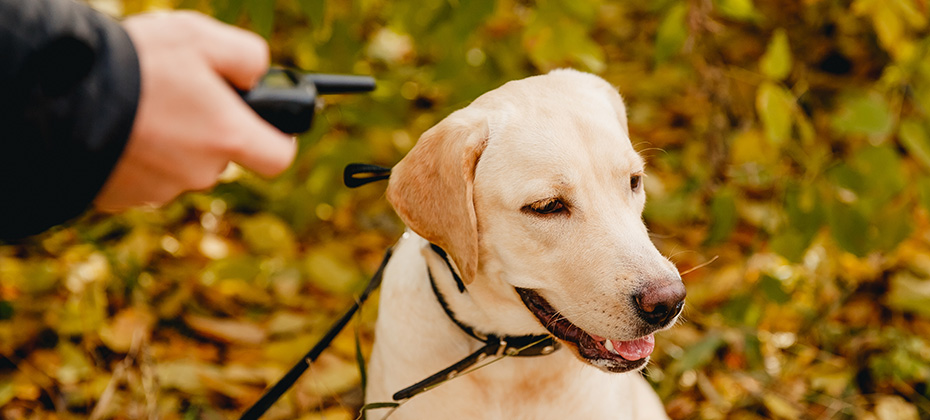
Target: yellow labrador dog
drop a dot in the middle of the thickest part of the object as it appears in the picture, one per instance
(535, 194)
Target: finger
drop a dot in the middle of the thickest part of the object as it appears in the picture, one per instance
(259, 146)
(239, 56)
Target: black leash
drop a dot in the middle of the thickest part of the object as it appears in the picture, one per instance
(369, 173)
(286, 382)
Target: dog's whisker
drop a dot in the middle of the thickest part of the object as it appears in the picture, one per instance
(675, 253)
(699, 266)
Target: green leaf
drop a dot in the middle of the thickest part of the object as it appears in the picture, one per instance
(870, 223)
(804, 218)
(804, 209)
(863, 113)
(701, 353)
(874, 176)
(913, 136)
(776, 62)
(555, 38)
(737, 9)
(227, 10)
(737, 309)
(754, 351)
(790, 243)
(773, 290)
(775, 105)
(672, 33)
(880, 168)
(849, 228)
(892, 226)
(469, 15)
(723, 216)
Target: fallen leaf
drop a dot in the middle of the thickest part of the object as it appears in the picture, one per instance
(120, 332)
(227, 330)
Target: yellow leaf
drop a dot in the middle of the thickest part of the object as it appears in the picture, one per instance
(183, 375)
(780, 407)
(330, 375)
(332, 269)
(74, 364)
(335, 413)
(227, 330)
(120, 332)
(289, 350)
(214, 380)
(776, 62)
(284, 322)
(893, 407)
(267, 234)
(7, 391)
(750, 147)
(775, 105)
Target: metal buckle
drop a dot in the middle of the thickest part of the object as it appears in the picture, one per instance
(501, 347)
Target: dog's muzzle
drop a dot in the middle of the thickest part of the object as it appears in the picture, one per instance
(606, 354)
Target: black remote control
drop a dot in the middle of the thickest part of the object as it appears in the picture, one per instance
(286, 98)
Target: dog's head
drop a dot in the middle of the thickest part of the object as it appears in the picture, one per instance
(537, 193)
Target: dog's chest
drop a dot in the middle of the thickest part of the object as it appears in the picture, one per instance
(551, 387)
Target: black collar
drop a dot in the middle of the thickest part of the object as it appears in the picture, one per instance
(516, 346)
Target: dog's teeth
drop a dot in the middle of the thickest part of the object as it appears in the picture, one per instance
(610, 347)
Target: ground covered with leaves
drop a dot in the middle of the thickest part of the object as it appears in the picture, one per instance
(789, 165)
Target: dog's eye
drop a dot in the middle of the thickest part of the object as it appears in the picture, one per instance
(635, 182)
(547, 206)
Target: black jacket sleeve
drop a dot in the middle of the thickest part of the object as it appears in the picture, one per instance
(69, 87)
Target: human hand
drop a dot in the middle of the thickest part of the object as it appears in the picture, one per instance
(190, 122)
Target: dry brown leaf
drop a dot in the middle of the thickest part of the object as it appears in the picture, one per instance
(227, 330)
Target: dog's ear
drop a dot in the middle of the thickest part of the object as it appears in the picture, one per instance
(432, 187)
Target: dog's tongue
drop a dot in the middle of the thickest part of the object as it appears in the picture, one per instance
(635, 349)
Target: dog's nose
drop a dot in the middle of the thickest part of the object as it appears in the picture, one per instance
(660, 301)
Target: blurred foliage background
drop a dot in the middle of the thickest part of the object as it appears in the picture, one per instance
(787, 139)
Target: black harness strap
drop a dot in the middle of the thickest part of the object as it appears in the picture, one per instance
(458, 280)
(279, 388)
(445, 308)
(517, 346)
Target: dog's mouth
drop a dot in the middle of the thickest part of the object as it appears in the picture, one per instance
(609, 355)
